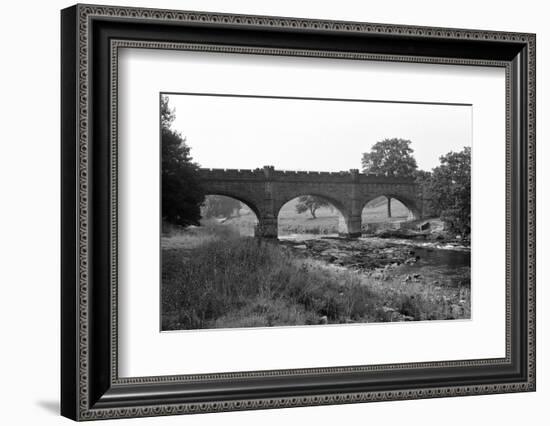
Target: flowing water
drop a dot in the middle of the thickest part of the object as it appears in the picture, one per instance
(451, 266)
(441, 264)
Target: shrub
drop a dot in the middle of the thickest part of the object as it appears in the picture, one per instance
(249, 281)
(223, 280)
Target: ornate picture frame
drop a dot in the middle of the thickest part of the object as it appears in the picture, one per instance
(91, 37)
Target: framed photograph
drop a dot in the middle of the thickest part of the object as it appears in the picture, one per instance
(263, 212)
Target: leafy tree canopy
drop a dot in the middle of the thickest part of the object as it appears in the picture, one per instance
(220, 206)
(390, 157)
(450, 188)
(182, 194)
(310, 203)
(167, 114)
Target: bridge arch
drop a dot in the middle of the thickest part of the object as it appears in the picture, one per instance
(408, 202)
(338, 205)
(266, 190)
(415, 210)
(247, 201)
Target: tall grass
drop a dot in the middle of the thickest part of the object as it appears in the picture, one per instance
(247, 282)
(193, 237)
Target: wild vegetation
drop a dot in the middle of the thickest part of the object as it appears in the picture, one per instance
(390, 157)
(220, 206)
(311, 204)
(215, 275)
(216, 278)
(182, 194)
(447, 186)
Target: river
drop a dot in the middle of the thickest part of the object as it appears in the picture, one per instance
(436, 262)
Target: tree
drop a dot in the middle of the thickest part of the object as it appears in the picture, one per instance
(311, 203)
(450, 186)
(182, 194)
(423, 180)
(220, 206)
(390, 157)
(167, 114)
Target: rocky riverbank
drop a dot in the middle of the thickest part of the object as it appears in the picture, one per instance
(312, 279)
(368, 253)
(438, 272)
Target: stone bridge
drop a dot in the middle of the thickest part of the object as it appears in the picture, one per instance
(266, 190)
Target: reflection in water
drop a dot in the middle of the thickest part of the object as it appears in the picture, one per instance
(438, 257)
(436, 263)
(454, 265)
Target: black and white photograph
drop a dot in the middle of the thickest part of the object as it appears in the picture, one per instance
(267, 211)
(294, 211)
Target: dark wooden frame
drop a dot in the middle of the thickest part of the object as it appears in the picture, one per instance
(90, 387)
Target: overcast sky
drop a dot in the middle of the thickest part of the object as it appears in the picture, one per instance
(316, 135)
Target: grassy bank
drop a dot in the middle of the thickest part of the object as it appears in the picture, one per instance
(215, 282)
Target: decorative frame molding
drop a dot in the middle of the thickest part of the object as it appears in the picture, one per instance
(91, 388)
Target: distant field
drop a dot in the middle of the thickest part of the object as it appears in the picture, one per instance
(326, 222)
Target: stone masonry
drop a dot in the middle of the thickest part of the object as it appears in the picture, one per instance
(266, 190)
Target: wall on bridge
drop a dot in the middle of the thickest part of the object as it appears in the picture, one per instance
(266, 190)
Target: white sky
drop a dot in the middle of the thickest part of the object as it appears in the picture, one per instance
(315, 135)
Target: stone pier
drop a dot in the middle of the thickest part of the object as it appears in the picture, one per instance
(266, 190)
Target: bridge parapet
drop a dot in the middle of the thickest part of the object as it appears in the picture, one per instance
(221, 174)
(311, 176)
(270, 173)
(265, 190)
